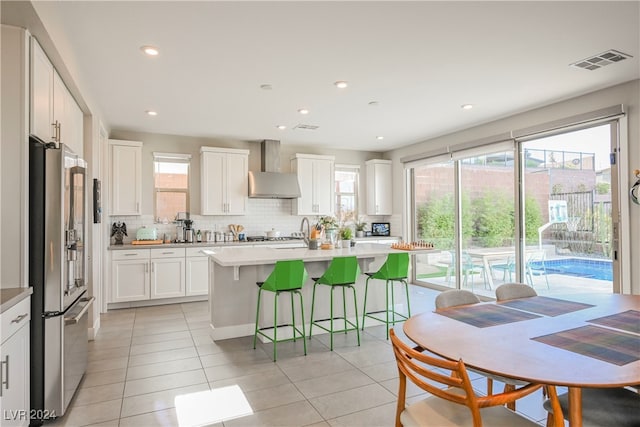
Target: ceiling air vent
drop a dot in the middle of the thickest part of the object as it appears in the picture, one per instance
(305, 127)
(601, 59)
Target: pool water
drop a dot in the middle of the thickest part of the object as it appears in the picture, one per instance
(593, 269)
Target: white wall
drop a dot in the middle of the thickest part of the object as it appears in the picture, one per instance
(14, 159)
(263, 214)
(627, 94)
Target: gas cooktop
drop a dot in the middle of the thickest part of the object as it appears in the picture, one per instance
(271, 239)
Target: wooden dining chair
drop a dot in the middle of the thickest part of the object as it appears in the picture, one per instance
(453, 401)
(601, 407)
(458, 297)
(509, 291)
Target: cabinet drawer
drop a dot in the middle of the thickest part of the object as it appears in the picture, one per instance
(15, 318)
(191, 252)
(167, 253)
(130, 254)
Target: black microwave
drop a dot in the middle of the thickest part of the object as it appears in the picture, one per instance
(380, 229)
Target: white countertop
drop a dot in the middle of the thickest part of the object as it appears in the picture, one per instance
(238, 256)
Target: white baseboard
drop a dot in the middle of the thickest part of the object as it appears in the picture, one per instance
(93, 331)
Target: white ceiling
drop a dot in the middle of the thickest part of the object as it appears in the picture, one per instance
(419, 60)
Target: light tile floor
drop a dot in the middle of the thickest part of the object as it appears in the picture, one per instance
(158, 366)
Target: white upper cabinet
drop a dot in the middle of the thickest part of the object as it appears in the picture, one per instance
(379, 187)
(41, 109)
(55, 115)
(126, 177)
(317, 181)
(224, 181)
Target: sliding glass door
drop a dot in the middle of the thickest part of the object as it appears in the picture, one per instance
(540, 211)
(570, 176)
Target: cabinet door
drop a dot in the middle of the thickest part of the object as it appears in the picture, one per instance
(41, 110)
(60, 116)
(130, 280)
(324, 183)
(379, 189)
(237, 170)
(126, 179)
(14, 399)
(197, 276)
(212, 187)
(167, 277)
(305, 204)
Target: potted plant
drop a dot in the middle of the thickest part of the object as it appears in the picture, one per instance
(360, 227)
(345, 235)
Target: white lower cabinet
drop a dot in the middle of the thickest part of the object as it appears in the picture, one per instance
(14, 365)
(167, 277)
(144, 274)
(197, 275)
(130, 275)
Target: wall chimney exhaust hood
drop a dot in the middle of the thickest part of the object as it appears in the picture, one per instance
(270, 183)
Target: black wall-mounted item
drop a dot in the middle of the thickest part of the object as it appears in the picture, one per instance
(97, 204)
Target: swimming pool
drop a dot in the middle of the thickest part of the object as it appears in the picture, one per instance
(591, 268)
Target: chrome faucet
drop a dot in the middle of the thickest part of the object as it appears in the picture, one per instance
(307, 235)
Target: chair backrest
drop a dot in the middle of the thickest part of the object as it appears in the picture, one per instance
(423, 370)
(286, 275)
(341, 271)
(395, 267)
(509, 291)
(455, 297)
(447, 380)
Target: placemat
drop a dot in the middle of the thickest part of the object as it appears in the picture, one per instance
(546, 306)
(485, 315)
(627, 321)
(603, 344)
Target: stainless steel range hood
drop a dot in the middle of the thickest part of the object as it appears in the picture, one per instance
(270, 183)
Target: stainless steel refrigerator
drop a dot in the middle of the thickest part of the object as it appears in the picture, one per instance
(57, 273)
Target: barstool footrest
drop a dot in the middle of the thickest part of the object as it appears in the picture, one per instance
(393, 315)
(289, 325)
(353, 328)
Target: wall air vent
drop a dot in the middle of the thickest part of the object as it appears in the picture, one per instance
(305, 127)
(601, 59)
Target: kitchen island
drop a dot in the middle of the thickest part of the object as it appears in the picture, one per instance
(233, 292)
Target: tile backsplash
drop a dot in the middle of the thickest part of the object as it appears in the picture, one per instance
(262, 215)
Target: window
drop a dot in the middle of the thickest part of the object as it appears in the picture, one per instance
(171, 185)
(346, 192)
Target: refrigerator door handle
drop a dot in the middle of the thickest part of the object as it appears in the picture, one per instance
(76, 319)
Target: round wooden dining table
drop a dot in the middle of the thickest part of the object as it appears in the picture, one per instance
(509, 349)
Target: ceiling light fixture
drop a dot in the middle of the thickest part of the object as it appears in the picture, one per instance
(373, 103)
(151, 113)
(466, 106)
(341, 84)
(303, 111)
(150, 50)
(266, 87)
(379, 137)
(281, 127)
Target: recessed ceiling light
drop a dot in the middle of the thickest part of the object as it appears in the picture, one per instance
(303, 111)
(150, 50)
(379, 137)
(151, 113)
(341, 84)
(281, 127)
(466, 106)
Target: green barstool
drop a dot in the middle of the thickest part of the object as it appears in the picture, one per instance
(287, 276)
(341, 273)
(395, 269)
